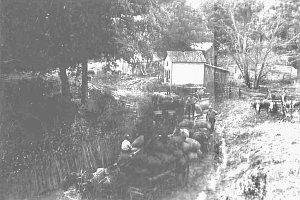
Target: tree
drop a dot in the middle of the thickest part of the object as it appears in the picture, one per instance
(251, 34)
(137, 25)
(213, 12)
(289, 34)
(1, 61)
(45, 35)
(183, 27)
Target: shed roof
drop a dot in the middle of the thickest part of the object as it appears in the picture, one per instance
(186, 56)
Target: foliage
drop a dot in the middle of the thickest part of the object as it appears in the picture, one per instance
(289, 32)
(251, 33)
(183, 27)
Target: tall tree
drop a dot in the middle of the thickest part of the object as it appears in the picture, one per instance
(213, 12)
(251, 35)
(1, 61)
(183, 27)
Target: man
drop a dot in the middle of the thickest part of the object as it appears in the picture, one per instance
(126, 145)
(283, 102)
(189, 106)
(193, 106)
(211, 117)
(126, 150)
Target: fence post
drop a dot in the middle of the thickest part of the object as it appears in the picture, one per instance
(229, 95)
(240, 93)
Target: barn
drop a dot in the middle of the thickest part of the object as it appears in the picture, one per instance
(191, 68)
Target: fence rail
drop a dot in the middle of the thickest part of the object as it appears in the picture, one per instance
(48, 176)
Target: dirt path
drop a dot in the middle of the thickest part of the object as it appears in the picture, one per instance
(206, 175)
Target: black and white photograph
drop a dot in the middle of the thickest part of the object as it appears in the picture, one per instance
(149, 99)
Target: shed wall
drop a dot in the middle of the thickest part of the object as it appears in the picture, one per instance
(187, 73)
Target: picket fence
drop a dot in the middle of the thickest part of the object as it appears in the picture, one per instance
(46, 177)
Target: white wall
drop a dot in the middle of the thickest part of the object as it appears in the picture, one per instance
(167, 67)
(185, 73)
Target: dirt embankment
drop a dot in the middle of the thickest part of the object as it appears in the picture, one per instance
(262, 160)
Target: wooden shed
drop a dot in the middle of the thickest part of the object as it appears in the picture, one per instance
(190, 67)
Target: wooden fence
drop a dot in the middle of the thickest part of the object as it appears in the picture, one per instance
(227, 92)
(46, 177)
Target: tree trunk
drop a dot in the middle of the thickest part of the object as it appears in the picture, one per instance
(247, 78)
(298, 75)
(1, 78)
(84, 82)
(215, 50)
(65, 86)
(256, 82)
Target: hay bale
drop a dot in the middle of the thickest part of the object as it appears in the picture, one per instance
(178, 153)
(184, 133)
(186, 147)
(202, 124)
(153, 161)
(182, 162)
(171, 147)
(203, 130)
(165, 158)
(191, 131)
(203, 139)
(199, 153)
(185, 123)
(139, 141)
(195, 145)
(192, 156)
(157, 145)
(177, 139)
(139, 160)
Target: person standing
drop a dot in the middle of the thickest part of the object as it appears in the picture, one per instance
(193, 106)
(283, 102)
(188, 107)
(211, 117)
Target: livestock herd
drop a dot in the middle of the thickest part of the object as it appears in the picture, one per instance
(284, 104)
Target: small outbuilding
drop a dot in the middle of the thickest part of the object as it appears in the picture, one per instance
(191, 68)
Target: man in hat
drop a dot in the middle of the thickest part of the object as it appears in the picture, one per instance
(126, 144)
(126, 150)
(211, 117)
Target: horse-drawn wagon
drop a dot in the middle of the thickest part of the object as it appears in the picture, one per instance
(151, 169)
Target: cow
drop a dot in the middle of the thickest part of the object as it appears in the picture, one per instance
(291, 105)
(265, 104)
